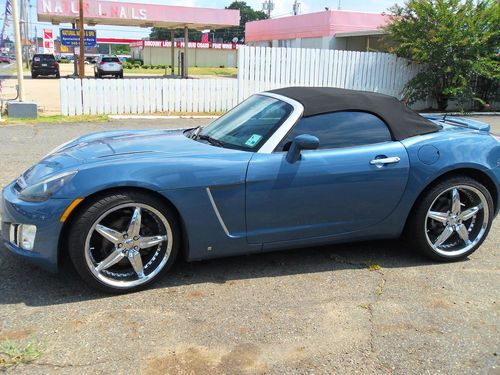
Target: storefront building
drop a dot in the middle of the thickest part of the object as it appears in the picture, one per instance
(156, 52)
(331, 29)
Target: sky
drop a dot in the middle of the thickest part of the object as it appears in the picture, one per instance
(282, 8)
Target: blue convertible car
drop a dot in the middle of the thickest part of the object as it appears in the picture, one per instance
(287, 168)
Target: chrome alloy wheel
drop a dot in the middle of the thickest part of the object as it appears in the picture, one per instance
(457, 220)
(128, 245)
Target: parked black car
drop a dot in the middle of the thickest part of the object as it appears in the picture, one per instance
(44, 64)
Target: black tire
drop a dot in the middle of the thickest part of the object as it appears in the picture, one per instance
(95, 74)
(87, 216)
(34, 76)
(120, 75)
(58, 75)
(416, 226)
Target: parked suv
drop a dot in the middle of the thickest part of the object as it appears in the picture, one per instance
(108, 66)
(44, 64)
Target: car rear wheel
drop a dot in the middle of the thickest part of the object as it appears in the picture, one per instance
(58, 75)
(452, 219)
(123, 242)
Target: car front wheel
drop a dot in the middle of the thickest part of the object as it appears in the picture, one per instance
(121, 243)
(452, 219)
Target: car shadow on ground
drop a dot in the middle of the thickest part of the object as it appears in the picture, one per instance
(26, 284)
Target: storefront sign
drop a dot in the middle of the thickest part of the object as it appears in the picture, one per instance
(168, 44)
(48, 41)
(129, 13)
(71, 37)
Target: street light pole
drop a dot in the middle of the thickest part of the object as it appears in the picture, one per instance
(81, 60)
(19, 47)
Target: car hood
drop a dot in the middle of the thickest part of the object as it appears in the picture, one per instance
(108, 146)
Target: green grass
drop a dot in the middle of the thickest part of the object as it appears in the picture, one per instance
(13, 354)
(373, 266)
(193, 71)
(55, 119)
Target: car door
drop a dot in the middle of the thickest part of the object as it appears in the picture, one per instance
(353, 181)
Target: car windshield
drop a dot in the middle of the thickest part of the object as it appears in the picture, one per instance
(44, 58)
(110, 59)
(248, 125)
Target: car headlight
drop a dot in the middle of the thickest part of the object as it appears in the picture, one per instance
(43, 190)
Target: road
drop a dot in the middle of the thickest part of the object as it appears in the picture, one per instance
(314, 310)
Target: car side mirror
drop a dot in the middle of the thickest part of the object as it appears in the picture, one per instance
(299, 143)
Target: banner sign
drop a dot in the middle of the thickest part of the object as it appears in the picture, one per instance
(168, 44)
(48, 41)
(71, 38)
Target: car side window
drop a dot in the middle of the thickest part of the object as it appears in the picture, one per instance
(340, 129)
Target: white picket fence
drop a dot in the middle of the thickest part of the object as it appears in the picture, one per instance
(264, 68)
(146, 95)
(259, 69)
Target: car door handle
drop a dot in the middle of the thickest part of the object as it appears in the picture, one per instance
(383, 161)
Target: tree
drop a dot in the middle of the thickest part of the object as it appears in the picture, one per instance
(160, 33)
(457, 43)
(247, 14)
(120, 49)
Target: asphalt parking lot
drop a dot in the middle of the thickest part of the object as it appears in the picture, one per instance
(369, 308)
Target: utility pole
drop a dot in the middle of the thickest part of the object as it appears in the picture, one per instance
(81, 60)
(268, 7)
(24, 32)
(296, 7)
(19, 47)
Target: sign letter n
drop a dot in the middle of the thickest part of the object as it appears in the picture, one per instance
(47, 6)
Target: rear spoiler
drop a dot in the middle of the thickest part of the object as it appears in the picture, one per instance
(461, 121)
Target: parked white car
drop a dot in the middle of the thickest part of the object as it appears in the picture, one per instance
(108, 66)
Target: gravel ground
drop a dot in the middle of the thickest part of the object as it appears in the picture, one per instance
(314, 310)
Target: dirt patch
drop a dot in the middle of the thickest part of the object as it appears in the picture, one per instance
(15, 334)
(243, 358)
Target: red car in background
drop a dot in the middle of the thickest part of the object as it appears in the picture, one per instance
(5, 59)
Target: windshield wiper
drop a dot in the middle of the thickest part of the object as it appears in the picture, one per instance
(210, 140)
(195, 132)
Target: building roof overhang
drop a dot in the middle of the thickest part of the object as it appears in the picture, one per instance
(103, 12)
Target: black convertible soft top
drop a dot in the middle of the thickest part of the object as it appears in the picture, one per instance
(402, 121)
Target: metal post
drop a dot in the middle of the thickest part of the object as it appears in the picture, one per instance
(19, 58)
(172, 51)
(186, 41)
(75, 61)
(81, 60)
(24, 32)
